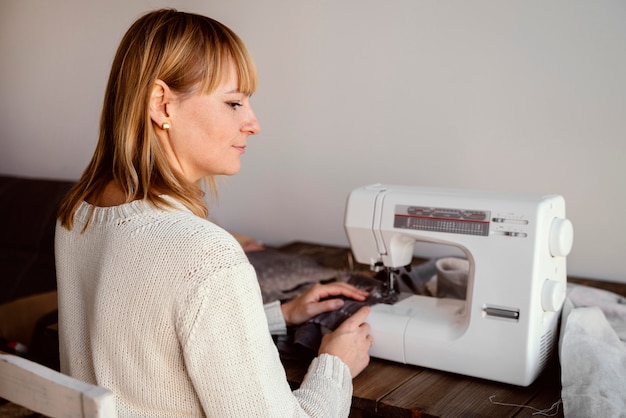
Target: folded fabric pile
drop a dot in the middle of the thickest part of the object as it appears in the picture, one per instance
(592, 349)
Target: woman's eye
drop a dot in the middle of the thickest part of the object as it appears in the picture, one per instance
(234, 105)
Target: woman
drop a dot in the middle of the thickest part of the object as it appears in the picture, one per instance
(157, 303)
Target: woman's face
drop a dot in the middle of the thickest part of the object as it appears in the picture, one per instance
(209, 132)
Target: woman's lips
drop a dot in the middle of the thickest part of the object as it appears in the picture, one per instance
(241, 149)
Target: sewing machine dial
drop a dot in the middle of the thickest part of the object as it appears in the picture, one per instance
(552, 295)
(561, 237)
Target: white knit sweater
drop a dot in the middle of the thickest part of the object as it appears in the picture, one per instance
(164, 309)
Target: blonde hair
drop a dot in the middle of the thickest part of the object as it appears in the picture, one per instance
(188, 52)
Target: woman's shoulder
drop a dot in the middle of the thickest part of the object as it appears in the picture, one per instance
(185, 225)
(194, 235)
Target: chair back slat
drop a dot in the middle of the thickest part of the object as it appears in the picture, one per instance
(51, 393)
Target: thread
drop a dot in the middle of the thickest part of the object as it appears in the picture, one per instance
(544, 412)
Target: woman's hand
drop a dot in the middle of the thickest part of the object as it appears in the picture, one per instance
(319, 299)
(350, 342)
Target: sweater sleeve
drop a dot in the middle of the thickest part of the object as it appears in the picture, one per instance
(275, 318)
(233, 363)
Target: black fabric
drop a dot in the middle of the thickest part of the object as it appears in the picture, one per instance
(28, 209)
(304, 340)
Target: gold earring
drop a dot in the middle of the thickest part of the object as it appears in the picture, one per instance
(165, 126)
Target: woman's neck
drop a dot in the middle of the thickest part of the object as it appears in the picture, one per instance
(111, 195)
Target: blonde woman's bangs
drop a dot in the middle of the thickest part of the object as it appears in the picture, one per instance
(220, 57)
(246, 71)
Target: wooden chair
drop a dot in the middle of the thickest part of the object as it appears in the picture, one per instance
(48, 392)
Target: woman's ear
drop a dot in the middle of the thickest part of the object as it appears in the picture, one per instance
(160, 97)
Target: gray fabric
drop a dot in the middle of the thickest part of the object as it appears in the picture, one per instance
(283, 276)
(593, 353)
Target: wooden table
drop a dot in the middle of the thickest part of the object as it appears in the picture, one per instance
(388, 389)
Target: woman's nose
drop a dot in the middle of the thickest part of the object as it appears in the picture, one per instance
(252, 126)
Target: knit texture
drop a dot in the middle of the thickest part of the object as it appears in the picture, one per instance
(164, 309)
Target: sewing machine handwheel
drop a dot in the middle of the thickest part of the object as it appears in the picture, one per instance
(561, 237)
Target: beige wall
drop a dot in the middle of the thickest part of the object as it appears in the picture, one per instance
(516, 96)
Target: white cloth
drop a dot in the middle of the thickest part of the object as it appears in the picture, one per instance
(164, 309)
(592, 355)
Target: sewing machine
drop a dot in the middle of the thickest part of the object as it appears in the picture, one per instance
(506, 327)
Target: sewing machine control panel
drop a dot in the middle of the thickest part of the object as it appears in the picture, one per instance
(450, 220)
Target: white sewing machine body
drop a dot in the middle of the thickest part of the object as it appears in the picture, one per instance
(505, 329)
